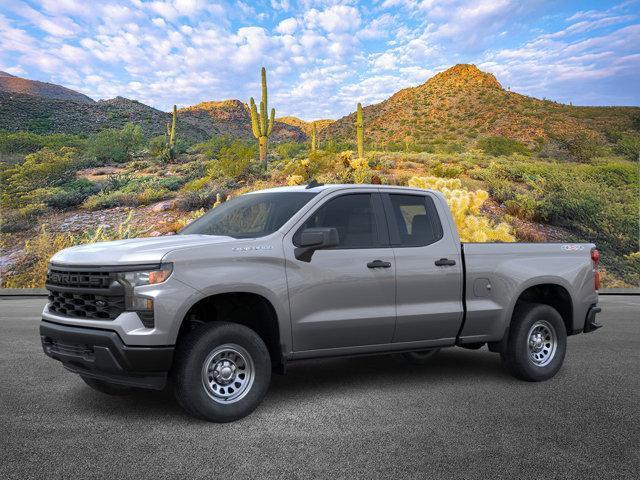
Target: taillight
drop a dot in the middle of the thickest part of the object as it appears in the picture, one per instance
(595, 258)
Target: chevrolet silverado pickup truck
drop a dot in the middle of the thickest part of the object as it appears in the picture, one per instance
(286, 274)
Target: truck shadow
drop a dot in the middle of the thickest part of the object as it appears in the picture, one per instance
(453, 365)
(320, 377)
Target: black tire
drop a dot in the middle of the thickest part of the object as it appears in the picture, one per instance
(544, 358)
(108, 388)
(420, 357)
(195, 350)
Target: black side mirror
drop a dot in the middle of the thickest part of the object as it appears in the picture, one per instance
(313, 239)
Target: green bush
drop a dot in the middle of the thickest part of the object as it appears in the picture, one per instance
(116, 145)
(582, 146)
(498, 146)
(44, 168)
(67, 195)
(629, 146)
(28, 142)
(289, 150)
(211, 148)
(120, 198)
(190, 200)
(233, 160)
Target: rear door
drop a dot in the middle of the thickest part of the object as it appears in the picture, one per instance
(340, 298)
(428, 269)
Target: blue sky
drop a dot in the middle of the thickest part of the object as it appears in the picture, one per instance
(322, 56)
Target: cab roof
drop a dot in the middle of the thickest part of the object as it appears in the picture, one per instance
(335, 186)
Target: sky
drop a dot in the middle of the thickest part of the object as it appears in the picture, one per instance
(322, 57)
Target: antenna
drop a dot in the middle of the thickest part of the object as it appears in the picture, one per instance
(313, 183)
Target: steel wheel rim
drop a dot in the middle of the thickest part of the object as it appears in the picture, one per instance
(228, 373)
(542, 343)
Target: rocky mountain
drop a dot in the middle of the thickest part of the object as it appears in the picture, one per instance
(464, 103)
(16, 85)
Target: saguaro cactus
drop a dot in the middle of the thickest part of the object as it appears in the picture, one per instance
(314, 138)
(260, 124)
(171, 135)
(360, 132)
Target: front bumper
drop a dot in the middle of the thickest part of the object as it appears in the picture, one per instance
(590, 323)
(102, 355)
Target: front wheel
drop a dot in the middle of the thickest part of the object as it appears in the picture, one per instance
(222, 371)
(537, 342)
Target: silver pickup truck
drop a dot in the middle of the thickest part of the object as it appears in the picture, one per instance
(286, 274)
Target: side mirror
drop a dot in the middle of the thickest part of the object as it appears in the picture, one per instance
(313, 239)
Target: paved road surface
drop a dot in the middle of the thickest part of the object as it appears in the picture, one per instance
(462, 416)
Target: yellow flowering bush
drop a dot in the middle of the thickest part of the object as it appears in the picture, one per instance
(295, 180)
(465, 208)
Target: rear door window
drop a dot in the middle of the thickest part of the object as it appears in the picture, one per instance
(414, 220)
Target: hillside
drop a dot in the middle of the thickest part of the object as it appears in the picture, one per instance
(16, 85)
(305, 126)
(232, 117)
(464, 103)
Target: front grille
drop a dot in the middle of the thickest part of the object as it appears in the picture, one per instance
(77, 293)
(86, 305)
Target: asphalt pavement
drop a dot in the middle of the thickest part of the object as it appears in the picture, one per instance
(461, 416)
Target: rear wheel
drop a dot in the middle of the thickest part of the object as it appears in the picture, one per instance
(420, 357)
(106, 387)
(222, 371)
(537, 342)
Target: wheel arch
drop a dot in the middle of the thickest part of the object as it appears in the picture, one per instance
(244, 306)
(552, 293)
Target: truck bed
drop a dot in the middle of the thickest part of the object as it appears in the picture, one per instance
(496, 274)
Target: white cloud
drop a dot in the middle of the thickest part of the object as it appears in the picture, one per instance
(335, 19)
(159, 22)
(287, 26)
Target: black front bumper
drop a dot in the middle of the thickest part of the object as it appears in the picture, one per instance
(101, 354)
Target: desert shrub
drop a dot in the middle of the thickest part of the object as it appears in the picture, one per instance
(23, 218)
(116, 145)
(498, 146)
(447, 170)
(171, 183)
(28, 142)
(189, 201)
(42, 169)
(39, 250)
(126, 198)
(629, 146)
(523, 206)
(157, 145)
(465, 208)
(581, 146)
(233, 160)
(211, 148)
(289, 150)
(315, 164)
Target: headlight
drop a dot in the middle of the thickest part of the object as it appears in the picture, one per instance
(145, 277)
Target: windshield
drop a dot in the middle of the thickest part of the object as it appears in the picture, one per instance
(249, 216)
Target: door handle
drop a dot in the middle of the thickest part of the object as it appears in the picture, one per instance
(445, 262)
(379, 264)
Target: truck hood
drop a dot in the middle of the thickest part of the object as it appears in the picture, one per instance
(132, 251)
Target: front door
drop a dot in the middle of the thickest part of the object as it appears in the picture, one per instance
(343, 296)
